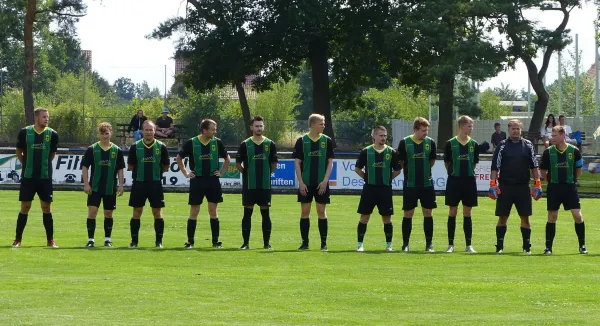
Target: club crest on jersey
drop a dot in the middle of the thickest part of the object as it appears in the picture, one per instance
(426, 147)
(322, 144)
(266, 148)
(47, 138)
(471, 149)
(387, 157)
(570, 156)
(113, 154)
(157, 151)
(213, 147)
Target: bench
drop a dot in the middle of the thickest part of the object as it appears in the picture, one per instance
(178, 133)
(123, 132)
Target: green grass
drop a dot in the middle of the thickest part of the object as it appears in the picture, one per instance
(119, 286)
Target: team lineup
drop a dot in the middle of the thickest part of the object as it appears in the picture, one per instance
(513, 164)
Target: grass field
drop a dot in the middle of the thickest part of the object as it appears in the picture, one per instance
(120, 286)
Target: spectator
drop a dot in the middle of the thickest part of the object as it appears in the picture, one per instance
(568, 131)
(546, 131)
(497, 136)
(136, 125)
(164, 125)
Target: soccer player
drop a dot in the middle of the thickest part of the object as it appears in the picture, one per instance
(313, 154)
(381, 165)
(512, 162)
(106, 162)
(561, 166)
(417, 157)
(461, 154)
(256, 159)
(148, 158)
(36, 148)
(204, 152)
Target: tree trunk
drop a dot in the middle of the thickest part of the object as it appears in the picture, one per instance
(239, 87)
(446, 115)
(320, 76)
(541, 104)
(28, 76)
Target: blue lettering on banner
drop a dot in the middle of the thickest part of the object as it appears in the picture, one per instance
(285, 175)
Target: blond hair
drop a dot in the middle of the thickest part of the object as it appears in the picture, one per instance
(559, 129)
(420, 122)
(464, 120)
(105, 126)
(37, 111)
(314, 118)
(382, 128)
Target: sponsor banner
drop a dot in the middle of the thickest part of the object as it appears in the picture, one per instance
(285, 175)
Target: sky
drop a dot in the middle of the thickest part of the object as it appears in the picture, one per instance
(115, 31)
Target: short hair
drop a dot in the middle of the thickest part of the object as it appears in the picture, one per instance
(314, 118)
(37, 111)
(150, 122)
(382, 128)
(463, 120)
(256, 118)
(561, 116)
(515, 122)
(204, 124)
(497, 124)
(420, 122)
(104, 127)
(559, 129)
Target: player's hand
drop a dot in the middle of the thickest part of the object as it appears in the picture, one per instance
(536, 191)
(120, 191)
(494, 190)
(322, 187)
(217, 173)
(87, 189)
(303, 189)
(190, 175)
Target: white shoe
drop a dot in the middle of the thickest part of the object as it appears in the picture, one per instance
(360, 249)
(405, 248)
(470, 249)
(429, 249)
(450, 248)
(389, 248)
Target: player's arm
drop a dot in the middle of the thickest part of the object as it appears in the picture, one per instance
(329, 168)
(181, 166)
(131, 158)
(360, 164)
(545, 164)
(226, 162)
(402, 153)
(121, 176)
(165, 159)
(86, 178)
(274, 158)
(578, 163)
(432, 154)
(297, 163)
(447, 155)
(397, 169)
(19, 153)
(239, 157)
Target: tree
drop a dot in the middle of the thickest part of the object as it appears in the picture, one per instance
(125, 88)
(506, 93)
(490, 106)
(142, 90)
(466, 99)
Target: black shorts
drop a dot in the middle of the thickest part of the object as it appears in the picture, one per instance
(313, 192)
(151, 190)
(29, 187)
(380, 196)
(565, 194)
(411, 197)
(205, 186)
(109, 202)
(461, 189)
(519, 195)
(260, 197)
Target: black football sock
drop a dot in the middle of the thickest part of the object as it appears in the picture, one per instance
(323, 230)
(500, 233)
(159, 229)
(134, 225)
(468, 228)
(361, 229)
(550, 233)
(388, 230)
(91, 227)
(215, 229)
(266, 226)
(191, 230)
(428, 228)
(526, 233)
(48, 225)
(21, 222)
(108, 225)
(406, 230)
(247, 224)
(451, 229)
(304, 229)
(580, 230)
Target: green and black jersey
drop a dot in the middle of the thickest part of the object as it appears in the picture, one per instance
(416, 156)
(314, 154)
(37, 148)
(378, 164)
(148, 160)
(562, 166)
(461, 157)
(104, 165)
(256, 158)
(204, 157)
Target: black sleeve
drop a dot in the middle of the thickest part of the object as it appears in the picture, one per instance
(578, 156)
(273, 157)
(298, 150)
(533, 164)
(131, 156)
(88, 157)
(164, 155)
(492, 140)
(476, 154)
(120, 160)
(241, 153)
(54, 142)
(329, 148)
(402, 150)
(448, 152)
(186, 149)
(362, 159)
(170, 120)
(495, 161)
(432, 154)
(21, 139)
(545, 164)
(396, 161)
(131, 124)
(222, 151)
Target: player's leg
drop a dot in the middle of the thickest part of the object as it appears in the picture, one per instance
(428, 203)
(264, 202)
(523, 204)
(26, 195)
(134, 225)
(409, 203)
(248, 201)
(195, 199)
(385, 205)
(388, 230)
(452, 211)
(550, 230)
(157, 202)
(579, 229)
(361, 229)
(214, 196)
(305, 208)
(365, 209)
(323, 226)
(503, 207)
(48, 223)
(452, 199)
(469, 200)
(93, 203)
(109, 203)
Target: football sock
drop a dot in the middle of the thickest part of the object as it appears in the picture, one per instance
(21, 222)
(214, 229)
(388, 230)
(247, 224)
(191, 230)
(266, 225)
(580, 230)
(108, 225)
(526, 233)
(428, 228)
(468, 228)
(451, 229)
(134, 225)
(323, 230)
(159, 229)
(550, 233)
(91, 227)
(48, 225)
(500, 233)
(361, 229)
(304, 229)
(406, 230)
